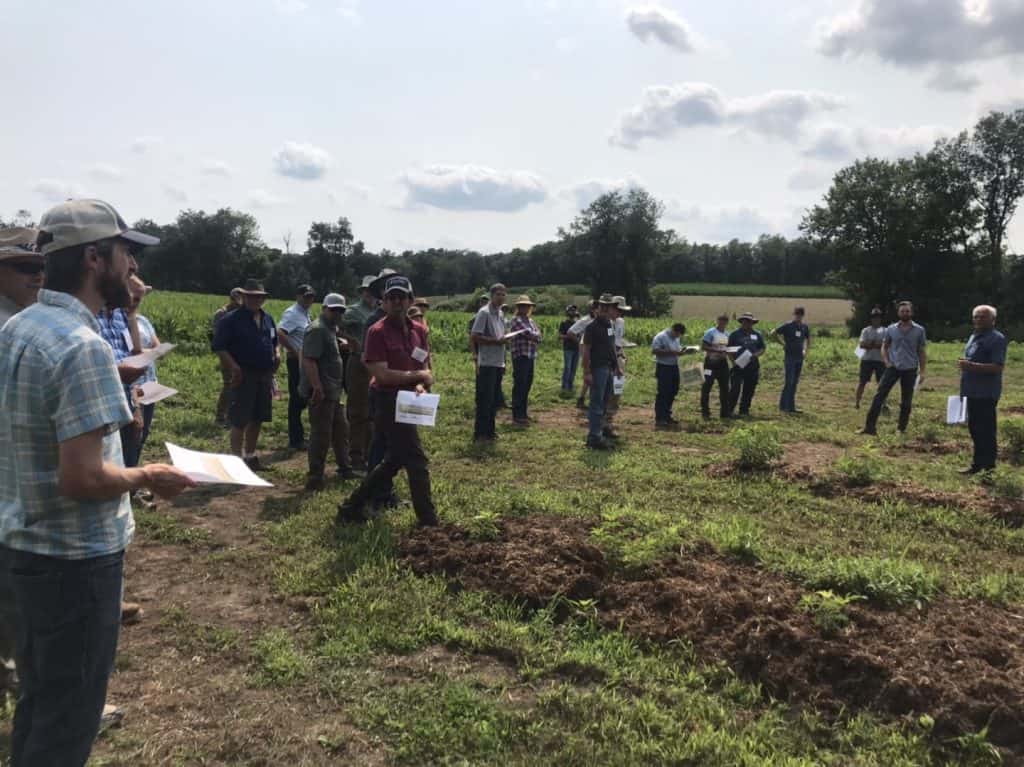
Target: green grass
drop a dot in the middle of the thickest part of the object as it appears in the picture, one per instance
(536, 687)
(752, 290)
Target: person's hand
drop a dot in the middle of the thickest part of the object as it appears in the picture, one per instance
(166, 481)
(129, 373)
(316, 394)
(420, 389)
(920, 381)
(964, 364)
(426, 379)
(137, 421)
(277, 362)
(236, 377)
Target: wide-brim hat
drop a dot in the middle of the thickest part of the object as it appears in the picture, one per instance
(367, 282)
(19, 243)
(621, 305)
(421, 302)
(253, 287)
(414, 313)
(80, 222)
(524, 301)
(748, 316)
(377, 285)
(606, 299)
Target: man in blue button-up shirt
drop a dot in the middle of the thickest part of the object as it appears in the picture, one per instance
(981, 382)
(246, 341)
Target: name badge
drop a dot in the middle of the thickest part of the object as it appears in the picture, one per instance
(797, 334)
(419, 354)
(611, 332)
(128, 339)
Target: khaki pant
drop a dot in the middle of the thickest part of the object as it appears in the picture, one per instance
(328, 428)
(225, 395)
(357, 379)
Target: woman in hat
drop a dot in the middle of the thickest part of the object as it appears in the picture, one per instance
(524, 355)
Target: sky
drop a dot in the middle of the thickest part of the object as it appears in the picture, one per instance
(484, 124)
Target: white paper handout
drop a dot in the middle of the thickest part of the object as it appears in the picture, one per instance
(628, 345)
(513, 334)
(956, 410)
(416, 409)
(618, 384)
(154, 392)
(209, 468)
(692, 374)
(147, 357)
(744, 359)
(733, 349)
(860, 351)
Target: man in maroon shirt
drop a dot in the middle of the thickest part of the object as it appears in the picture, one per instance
(397, 355)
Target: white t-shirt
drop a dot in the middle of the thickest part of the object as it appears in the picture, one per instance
(579, 326)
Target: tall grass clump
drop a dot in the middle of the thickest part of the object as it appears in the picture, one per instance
(758, 447)
(1013, 432)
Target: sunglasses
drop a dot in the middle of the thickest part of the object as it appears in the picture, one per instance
(27, 267)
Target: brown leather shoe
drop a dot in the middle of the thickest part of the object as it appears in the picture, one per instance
(131, 612)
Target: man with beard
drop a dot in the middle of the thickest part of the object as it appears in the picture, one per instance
(904, 352)
(65, 518)
(322, 378)
(246, 341)
(398, 357)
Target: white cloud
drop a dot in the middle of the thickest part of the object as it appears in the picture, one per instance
(566, 44)
(302, 161)
(143, 144)
(649, 22)
(953, 80)
(57, 190)
(103, 172)
(290, 7)
(721, 224)
(262, 199)
(349, 10)
(216, 168)
(585, 192)
(915, 34)
(666, 109)
(808, 177)
(175, 193)
(472, 187)
(842, 142)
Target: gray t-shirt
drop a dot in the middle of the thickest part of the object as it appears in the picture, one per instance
(490, 322)
(871, 334)
(905, 345)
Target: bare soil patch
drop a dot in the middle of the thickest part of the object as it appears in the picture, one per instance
(958, 661)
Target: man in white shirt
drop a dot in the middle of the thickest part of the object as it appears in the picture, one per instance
(291, 332)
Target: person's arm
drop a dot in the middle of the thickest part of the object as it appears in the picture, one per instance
(864, 343)
(807, 342)
(885, 351)
(228, 363)
(83, 475)
(132, 320)
(987, 368)
(422, 379)
(922, 356)
(760, 350)
(587, 378)
(284, 340)
(309, 364)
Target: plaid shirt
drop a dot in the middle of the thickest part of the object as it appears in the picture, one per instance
(114, 330)
(525, 344)
(58, 381)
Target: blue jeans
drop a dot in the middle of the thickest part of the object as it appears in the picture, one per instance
(570, 359)
(522, 382)
(69, 619)
(668, 387)
(488, 383)
(787, 400)
(600, 391)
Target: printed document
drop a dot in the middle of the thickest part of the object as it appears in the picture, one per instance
(209, 468)
(416, 409)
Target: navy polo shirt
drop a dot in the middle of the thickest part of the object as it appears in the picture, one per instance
(793, 335)
(987, 348)
(752, 342)
(250, 345)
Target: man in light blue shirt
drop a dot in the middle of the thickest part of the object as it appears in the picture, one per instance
(667, 350)
(65, 518)
(905, 358)
(291, 331)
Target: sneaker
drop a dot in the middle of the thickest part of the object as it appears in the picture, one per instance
(253, 463)
(969, 471)
(112, 716)
(350, 515)
(315, 484)
(131, 613)
(599, 443)
(869, 432)
(521, 421)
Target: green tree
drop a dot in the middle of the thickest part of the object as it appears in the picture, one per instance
(328, 250)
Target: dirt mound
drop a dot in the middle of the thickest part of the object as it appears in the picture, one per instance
(960, 662)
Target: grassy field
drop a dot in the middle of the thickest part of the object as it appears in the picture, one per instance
(831, 312)
(778, 591)
(723, 289)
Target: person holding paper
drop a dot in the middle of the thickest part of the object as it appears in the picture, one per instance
(619, 310)
(981, 382)
(234, 302)
(113, 322)
(796, 341)
(246, 341)
(290, 332)
(143, 337)
(524, 356)
(746, 369)
(576, 331)
(667, 350)
(716, 368)
(398, 357)
(905, 358)
(600, 366)
(65, 517)
(321, 385)
(871, 363)
(490, 341)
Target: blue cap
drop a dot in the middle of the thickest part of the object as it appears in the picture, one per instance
(398, 283)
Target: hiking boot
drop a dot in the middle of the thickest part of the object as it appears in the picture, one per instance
(315, 484)
(131, 613)
(608, 433)
(598, 443)
(664, 425)
(112, 716)
(428, 520)
(521, 421)
(350, 515)
(347, 472)
(253, 463)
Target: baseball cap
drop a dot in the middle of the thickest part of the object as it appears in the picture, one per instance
(572, 309)
(367, 282)
(79, 222)
(876, 312)
(397, 282)
(305, 290)
(19, 243)
(334, 301)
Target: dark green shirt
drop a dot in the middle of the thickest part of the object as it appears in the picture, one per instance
(321, 344)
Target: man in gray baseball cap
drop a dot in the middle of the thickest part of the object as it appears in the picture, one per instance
(65, 517)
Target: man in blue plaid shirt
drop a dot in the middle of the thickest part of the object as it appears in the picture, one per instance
(65, 519)
(114, 330)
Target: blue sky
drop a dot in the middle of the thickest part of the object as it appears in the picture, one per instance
(484, 124)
